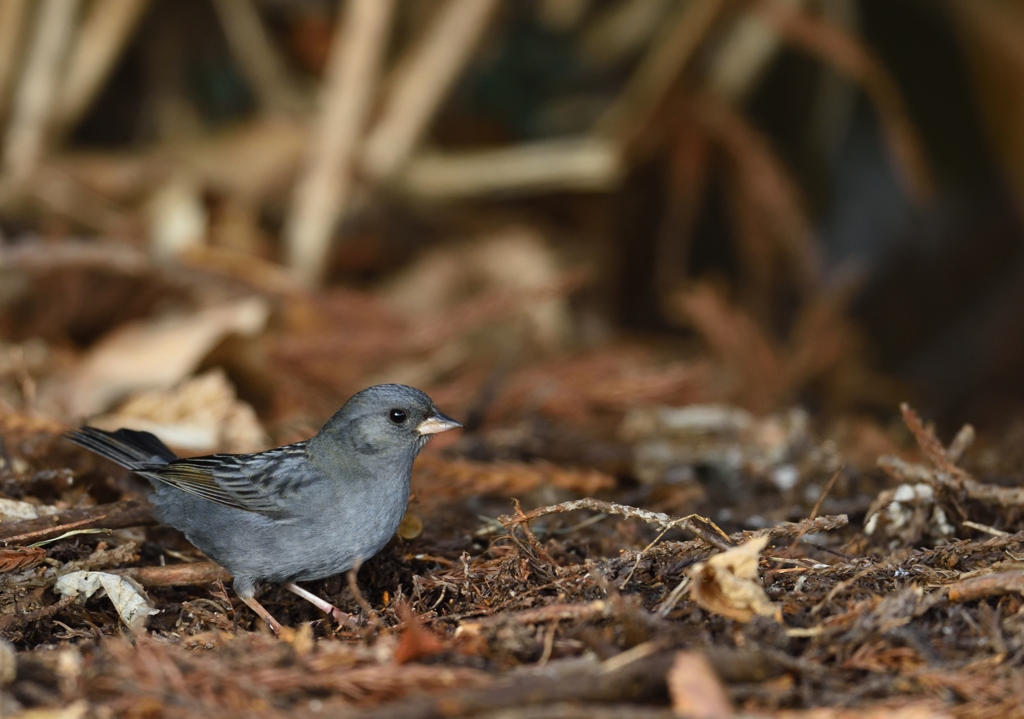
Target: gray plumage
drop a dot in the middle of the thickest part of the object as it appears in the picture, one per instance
(300, 512)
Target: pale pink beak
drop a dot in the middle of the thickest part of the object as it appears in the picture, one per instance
(436, 423)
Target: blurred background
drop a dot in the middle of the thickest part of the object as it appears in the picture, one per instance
(221, 218)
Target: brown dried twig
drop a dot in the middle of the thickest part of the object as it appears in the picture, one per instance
(353, 585)
(110, 516)
(10, 621)
(817, 508)
(177, 575)
(944, 474)
(573, 163)
(540, 615)
(716, 537)
(558, 681)
(679, 40)
(13, 15)
(987, 585)
(790, 529)
(928, 442)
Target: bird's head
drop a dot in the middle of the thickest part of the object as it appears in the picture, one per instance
(387, 420)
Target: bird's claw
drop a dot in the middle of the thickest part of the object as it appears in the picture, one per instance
(343, 618)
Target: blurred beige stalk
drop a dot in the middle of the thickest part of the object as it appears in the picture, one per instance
(154, 354)
(421, 81)
(13, 14)
(258, 57)
(104, 32)
(671, 51)
(34, 103)
(324, 189)
(574, 163)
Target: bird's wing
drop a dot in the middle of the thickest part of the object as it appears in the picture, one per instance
(259, 482)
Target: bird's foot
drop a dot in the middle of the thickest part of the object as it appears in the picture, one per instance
(323, 605)
(343, 618)
(275, 626)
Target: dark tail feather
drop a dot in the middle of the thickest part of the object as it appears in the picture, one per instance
(129, 448)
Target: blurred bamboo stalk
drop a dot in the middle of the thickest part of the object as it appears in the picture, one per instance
(744, 54)
(621, 29)
(577, 164)
(257, 57)
(421, 81)
(323, 190)
(33, 105)
(103, 35)
(669, 53)
(12, 28)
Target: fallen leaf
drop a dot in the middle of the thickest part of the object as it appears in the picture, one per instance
(728, 583)
(202, 414)
(156, 354)
(128, 598)
(696, 691)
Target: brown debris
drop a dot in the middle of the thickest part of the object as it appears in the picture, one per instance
(416, 641)
(944, 473)
(452, 479)
(710, 533)
(20, 558)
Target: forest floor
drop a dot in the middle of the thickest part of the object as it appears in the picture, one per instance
(613, 535)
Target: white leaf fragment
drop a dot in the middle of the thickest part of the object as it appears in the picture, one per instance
(128, 598)
(729, 584)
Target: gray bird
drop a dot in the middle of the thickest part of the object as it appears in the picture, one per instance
(297, 513)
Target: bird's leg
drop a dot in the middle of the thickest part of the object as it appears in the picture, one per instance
(251, 602)
(324, 606)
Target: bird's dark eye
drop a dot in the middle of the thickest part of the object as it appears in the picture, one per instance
(397, 416)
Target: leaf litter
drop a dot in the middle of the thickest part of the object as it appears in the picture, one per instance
(672, 517)
(604, 593)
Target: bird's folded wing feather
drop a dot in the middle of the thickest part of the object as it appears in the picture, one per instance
(254, 482)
